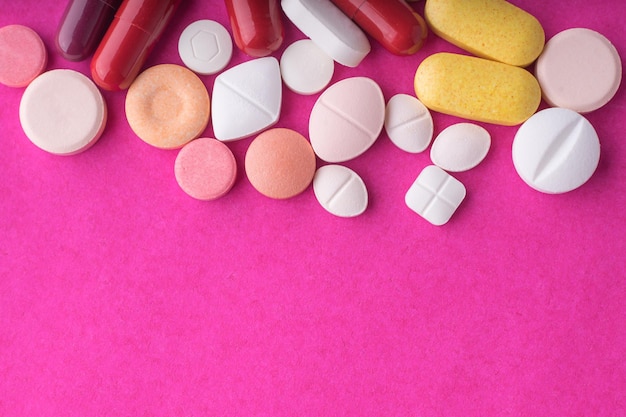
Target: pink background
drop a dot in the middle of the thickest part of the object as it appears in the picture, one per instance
(120, 295)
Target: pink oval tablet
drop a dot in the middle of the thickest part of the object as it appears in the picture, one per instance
(347, 119)
(23, 55)
(579, 69)
(205, 169)
(62, 112)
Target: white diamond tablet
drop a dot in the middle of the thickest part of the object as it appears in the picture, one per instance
(246, 99)
(579, 69)
(329, 28)
(556, 150)
(435, 195)
(347, 119)
(62, 112)
(408, 123)
(305, 68)
(460, 147)
(340, 190)
(205, 47)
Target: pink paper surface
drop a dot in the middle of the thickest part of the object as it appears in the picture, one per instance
(122, 296)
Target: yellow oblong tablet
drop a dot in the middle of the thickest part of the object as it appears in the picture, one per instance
(493, 29)
(477, 89)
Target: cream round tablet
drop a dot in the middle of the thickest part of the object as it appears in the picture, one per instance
(167, 106)
(408, 123)
(579, 69)
(23, 55)
(205, 169)
(205, 47)
(280, 163)
(340, 190)
(305, 68)
(347, 119)
(556, 150)
(460, 147)
(63, 112)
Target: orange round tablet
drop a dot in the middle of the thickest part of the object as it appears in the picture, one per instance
(167, 106)
(280, 163)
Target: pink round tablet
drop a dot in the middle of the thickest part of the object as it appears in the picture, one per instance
(23, 55)
(205, 169)
(579, 69)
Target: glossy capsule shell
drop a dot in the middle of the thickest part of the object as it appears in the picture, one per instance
(391, 22)
(82, 27)
(477, 89)
(257, 25)
(137, 26)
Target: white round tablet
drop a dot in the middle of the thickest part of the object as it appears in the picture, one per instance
(62, 112)
(408, 123)
(340, 190)
(205, 47)
(305, 68)
(556, 150)
(460, 147)
(579, 69)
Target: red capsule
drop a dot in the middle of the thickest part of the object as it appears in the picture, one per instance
(391, 22)
(137, 26)
(83, 25)
(257, 25)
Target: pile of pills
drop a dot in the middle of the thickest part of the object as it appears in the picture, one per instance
(554, 151)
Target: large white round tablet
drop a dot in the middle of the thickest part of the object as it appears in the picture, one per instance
(205, 47)
(340, 190)
(556, 150)
(327, 26)
(347, 119)
(408, 123)
(579, 69)
(460, 147)
(305, 68)
(63, 112)
(247, 99)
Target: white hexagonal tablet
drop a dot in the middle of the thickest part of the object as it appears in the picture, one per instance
(205, 47)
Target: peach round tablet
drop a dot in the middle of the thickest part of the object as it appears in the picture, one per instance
(280, 163)
(347, 119)
(205, 169)
(477, 89)
(23, 55)
(579, 69)
(62, 112)
(493, 29)
(167, 106)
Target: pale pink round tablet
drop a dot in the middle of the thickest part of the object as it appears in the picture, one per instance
(23, 55)
(205, 169)
(347, 119)
(62, 112)
(280, 163)
(579, 69)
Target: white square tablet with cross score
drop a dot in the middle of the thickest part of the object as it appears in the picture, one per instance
(435, 195)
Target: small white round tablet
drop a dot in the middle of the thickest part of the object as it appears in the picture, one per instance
(340, 190)
(305, 68)
(556, 150)
(205, 47)
(62, 112)
(579, 69)
(247, 99)
(460, 147)
(408, 123)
